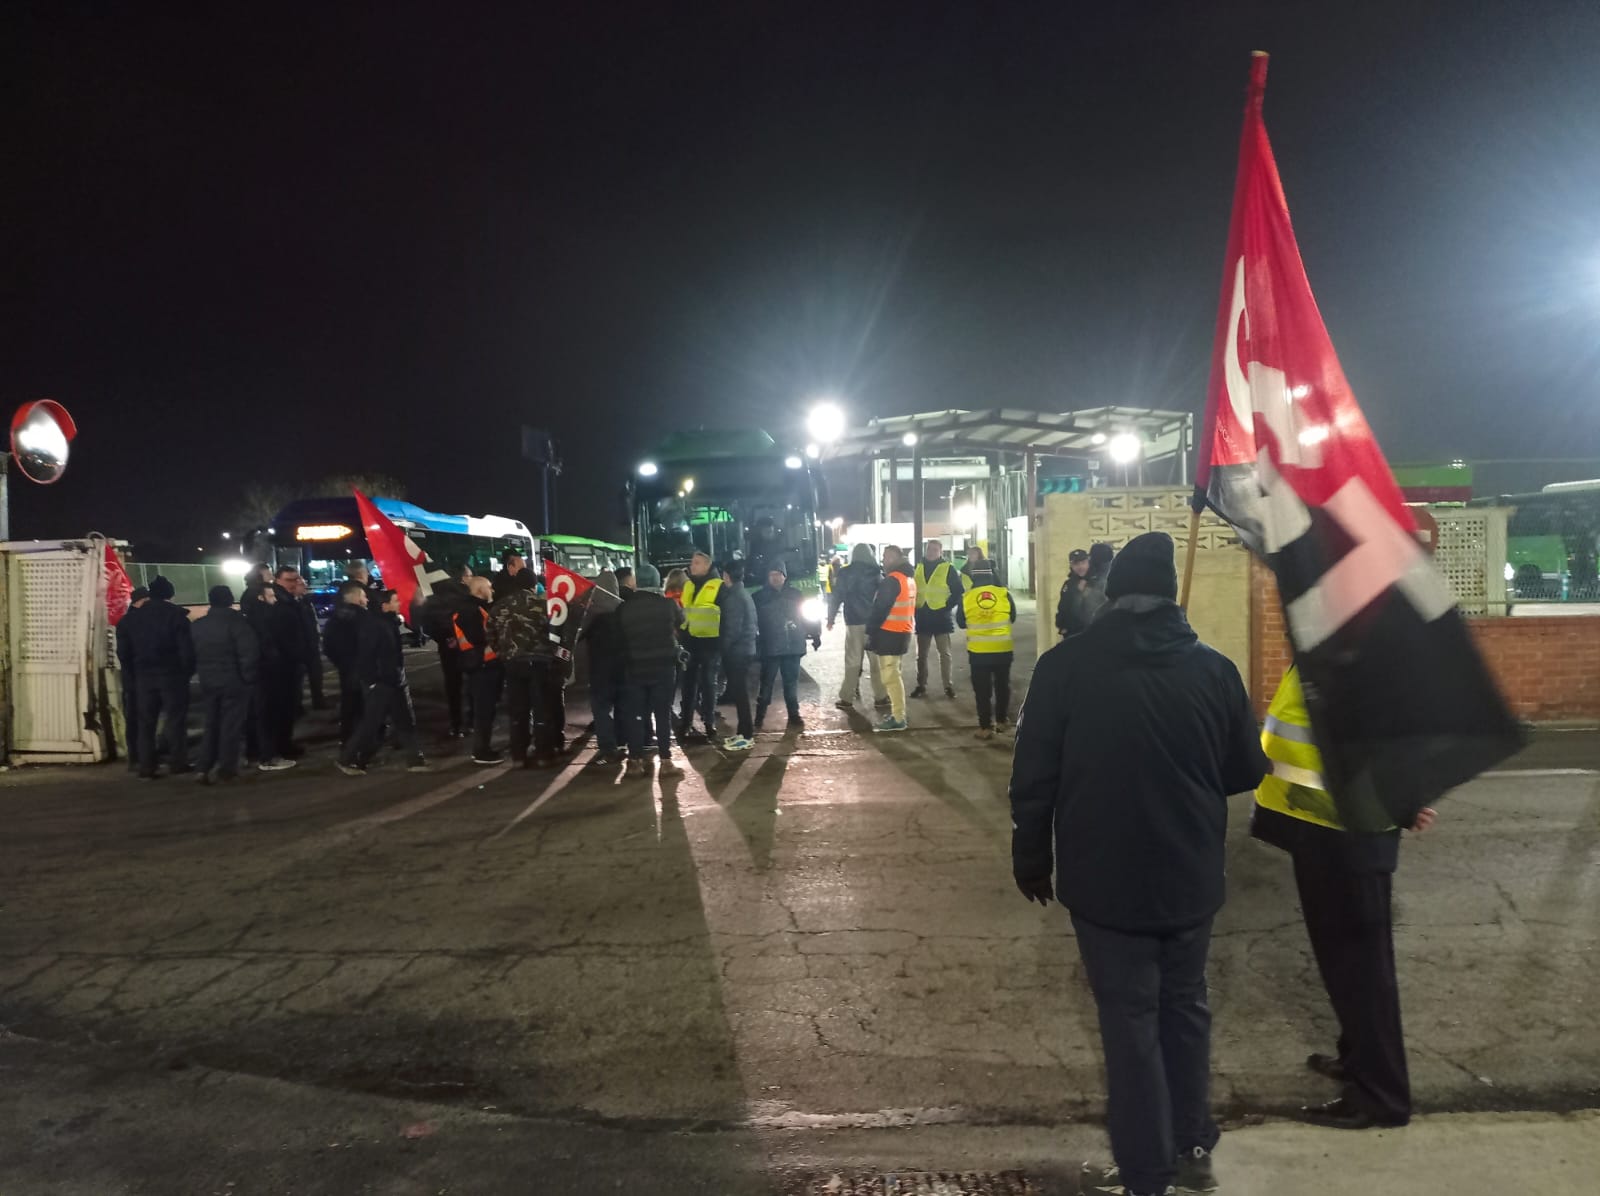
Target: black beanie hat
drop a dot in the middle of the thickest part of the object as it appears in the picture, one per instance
(220, 596)
(1147, 565)
(138, 593)
(160, 587)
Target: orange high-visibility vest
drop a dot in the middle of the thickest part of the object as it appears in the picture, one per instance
(466, 645)
(902, 615)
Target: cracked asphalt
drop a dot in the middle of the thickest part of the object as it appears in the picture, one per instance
(818, 938)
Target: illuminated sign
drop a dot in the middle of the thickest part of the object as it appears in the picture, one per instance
(322, 531)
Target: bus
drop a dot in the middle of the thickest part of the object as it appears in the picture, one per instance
(585, 556)
(1552, 542)
(735, 495)
(320, 536)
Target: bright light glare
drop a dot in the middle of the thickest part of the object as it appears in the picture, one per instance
(42, 435)
(648, 469)
(1125, 448)
(1511, 571)
(236, 566)
(826, 422)
(1097, 439)
(227, 535)
(837, 522)
(792, 462)
(965, 515)
(813, 450)
(688, 485)
(811, 610)
(909, 440)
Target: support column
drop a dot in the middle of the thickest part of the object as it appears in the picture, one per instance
(915, 551)
(1030, 463)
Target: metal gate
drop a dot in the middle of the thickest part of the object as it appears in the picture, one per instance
(56, 644)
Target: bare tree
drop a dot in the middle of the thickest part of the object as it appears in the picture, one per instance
(371, 484)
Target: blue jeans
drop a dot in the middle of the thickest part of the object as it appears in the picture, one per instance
(1155, 1027)
(790, 668)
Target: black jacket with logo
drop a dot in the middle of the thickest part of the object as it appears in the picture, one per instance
(1123, 783)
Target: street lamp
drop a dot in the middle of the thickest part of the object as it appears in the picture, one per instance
(909, 440)
(648, 469)
(825, 423)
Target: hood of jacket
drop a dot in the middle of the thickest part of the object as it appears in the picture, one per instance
(1153, 631)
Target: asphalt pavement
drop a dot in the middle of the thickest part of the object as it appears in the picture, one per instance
(802, 966)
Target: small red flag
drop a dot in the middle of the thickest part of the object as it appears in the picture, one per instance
(119, 590)
(405, 567)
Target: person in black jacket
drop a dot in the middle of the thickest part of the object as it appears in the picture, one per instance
(438, 621)
(341, 644)
(130, 689)
(1084, 591)
(606, 665)
(533, 660)
(162, 651)
(853, 594)
(1123, 785)
(470, 623)
(784, 630)
(380, 671)
(310, 648)
(647, 627)
(227, 659)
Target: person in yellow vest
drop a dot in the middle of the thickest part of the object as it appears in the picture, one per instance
(987, 612)
(889, 632)
(938, 598)
(1345, 880)
(702, 618)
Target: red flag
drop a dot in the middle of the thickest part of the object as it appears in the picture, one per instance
(567, 598)
(119, 590)
(1402, 705)
(405, 567)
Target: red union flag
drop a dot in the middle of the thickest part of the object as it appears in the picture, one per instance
(567, 598)
(405, 567)
(1401, 704)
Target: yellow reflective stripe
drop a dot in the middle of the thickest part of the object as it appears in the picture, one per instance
(1301, 755)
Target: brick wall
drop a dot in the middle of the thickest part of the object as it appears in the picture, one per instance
(1548, 667)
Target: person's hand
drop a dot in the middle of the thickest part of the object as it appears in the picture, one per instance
(1037, 888)
(1426, 817)
(817, 643)
(830, 628)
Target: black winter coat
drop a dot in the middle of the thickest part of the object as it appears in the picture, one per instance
(1124, 780)
(447, 598)
(647, 624)
(310, 637)
(380, 658)
(784, 630)
(856, 588)
(258, 615)
(226, 652)
(1079, 604)
(157, 640)
(341, 639)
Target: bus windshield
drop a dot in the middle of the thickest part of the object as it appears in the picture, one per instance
(760, 532)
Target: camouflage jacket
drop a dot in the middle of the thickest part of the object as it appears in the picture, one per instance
(519, 627)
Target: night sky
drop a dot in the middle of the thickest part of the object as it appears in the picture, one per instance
(271, 243)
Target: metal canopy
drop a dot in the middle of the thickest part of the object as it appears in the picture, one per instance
(1010, 429)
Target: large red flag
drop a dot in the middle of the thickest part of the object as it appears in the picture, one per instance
(405, 567)
(1401, 704)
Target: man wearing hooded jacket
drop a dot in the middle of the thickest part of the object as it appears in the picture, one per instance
(1122, 785)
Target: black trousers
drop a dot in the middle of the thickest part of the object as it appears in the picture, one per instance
(226, 713)
(484, 682)
(163, 702)
(1155, 1028)
(1349, 920)
(647, 706)
(349, 706)
(380, 705)
(450, 666)
(313, 670)
(130, 720)
(789, 668)
(991, 680)
(533, 704)
(737, 671)
(700, 683)
(280, 694)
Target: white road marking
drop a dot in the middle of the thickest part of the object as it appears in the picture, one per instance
(1543, 772)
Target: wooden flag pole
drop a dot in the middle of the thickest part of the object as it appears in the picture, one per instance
(1188, 559)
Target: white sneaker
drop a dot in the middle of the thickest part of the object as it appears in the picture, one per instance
(277, 765)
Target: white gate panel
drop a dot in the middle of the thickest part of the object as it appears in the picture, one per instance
(49, 596)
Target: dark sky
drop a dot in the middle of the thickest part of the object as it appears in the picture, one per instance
(248, 243)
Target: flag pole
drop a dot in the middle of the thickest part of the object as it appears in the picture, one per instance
(1197, 502)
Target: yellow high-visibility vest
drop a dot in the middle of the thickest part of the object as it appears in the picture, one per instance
(700, 609)
(933, 591)
(1295, 786)
(987, 610)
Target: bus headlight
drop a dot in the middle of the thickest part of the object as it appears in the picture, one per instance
(811, 610)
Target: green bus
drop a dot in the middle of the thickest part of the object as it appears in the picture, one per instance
(585, 555)
(736, 495)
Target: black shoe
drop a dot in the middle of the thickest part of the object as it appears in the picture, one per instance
(761, 715)
(796, 721)
(881, 704)
(1196, 1173)
(1341, 1114)
(949, 691)
(487, 758)
(920, 692)
(455, 733)
(1327, 1065)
